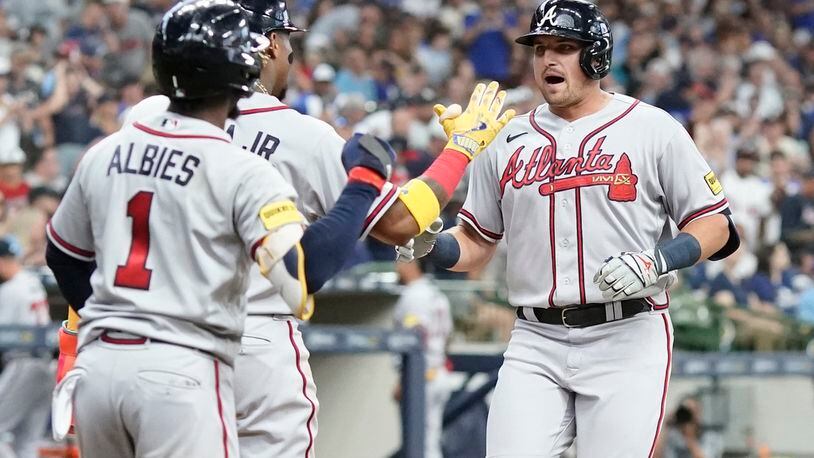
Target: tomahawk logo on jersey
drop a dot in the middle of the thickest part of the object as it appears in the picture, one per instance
(558, 184)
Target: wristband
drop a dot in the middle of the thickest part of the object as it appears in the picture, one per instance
(448, 170)
(365, 175)
(678, 253)
(420, 202)
(446, 252)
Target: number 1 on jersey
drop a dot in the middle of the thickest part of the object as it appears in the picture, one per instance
(134, 273)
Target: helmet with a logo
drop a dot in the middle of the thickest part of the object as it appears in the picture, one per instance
(576, 20)
(204, 48)
(268, 15)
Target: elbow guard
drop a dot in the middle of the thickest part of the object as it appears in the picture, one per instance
(269, 256)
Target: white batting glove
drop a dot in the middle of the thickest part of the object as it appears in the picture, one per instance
(629, 273)
(420, 245)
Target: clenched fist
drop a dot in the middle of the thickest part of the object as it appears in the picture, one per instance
(629, 273)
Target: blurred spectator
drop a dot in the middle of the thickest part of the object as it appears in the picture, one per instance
(327, 20)
(773, 283)
(87, 33)
(424, 308)
(5, 218)
(12, 184)
(726, 278)
(77, 97)
(749, 197)
(46, 172)
(434, 55)
(127, 35)
(10, 110)
(759, 95)
(797, 217)
(775, 138)
(685, 436)
(319, 101)
(27, 380)
(489, 37)
(28, 226)
(353, 77)
(27, 13)
(408, 124)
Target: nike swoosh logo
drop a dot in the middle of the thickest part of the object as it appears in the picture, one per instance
(510, 138)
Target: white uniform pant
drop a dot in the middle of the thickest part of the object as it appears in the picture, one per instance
(437, 393)
(275, 392)
(25, 399)
(153, 400)
(605, 385)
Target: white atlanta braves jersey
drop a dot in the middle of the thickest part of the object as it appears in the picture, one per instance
(568, 195)
(307, 153)
(23, 301)
(170, 211)
(422, 305)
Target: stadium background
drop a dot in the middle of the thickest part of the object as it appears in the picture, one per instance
(739, 74)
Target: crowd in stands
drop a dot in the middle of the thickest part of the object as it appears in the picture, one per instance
(739, 74)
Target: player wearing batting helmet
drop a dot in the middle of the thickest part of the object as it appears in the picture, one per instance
(275, 393)
(601, 198)
(174, 215)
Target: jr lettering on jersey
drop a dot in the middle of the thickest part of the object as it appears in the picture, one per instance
(154, 161)
(555, 174)
(263, 144)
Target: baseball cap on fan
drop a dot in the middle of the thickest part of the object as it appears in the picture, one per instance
(324, 73)
(11, 154)
(9, 248)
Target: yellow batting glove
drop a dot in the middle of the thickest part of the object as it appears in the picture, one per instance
(472, 130)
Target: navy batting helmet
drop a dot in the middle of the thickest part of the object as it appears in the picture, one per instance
(204, 48)
(268, 15)
(577, 20)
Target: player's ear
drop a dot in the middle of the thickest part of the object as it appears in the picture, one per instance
(274, 48)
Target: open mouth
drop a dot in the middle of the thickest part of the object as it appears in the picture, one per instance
(553, 79)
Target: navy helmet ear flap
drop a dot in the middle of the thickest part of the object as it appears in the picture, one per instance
(595, 59)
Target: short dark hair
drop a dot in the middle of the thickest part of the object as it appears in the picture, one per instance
(41, 191)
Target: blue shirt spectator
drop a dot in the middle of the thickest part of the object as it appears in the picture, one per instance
(353, 77)
(488, 39)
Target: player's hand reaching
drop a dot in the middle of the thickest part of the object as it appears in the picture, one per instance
(628, 273)
(472, 130)
(420, 245)
(369, 152)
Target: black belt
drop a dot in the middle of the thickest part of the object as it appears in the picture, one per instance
(582, 316)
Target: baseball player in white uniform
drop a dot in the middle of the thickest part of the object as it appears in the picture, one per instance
(588, 190)
(173, 215)
(275, 393)
(425, 308)
(26, 381)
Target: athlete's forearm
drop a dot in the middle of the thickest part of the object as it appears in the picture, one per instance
(712, 233)
(699, 240)
(396, 227)
(405, 218)
(461, 250)
(328, 243)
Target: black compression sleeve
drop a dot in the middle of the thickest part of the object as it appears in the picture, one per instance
(72, 275)
(329, 242)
